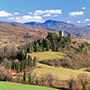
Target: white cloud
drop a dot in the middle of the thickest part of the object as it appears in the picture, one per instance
(78, 21)
(55, 15)
(16, 13)
(41, 12)
(83, 8)
(5, 14)
(87, 20)
(38, 12)
(47, 15)
(27, 18)
(53, 11)
(68, 21)
(76, 13)
(11, 18)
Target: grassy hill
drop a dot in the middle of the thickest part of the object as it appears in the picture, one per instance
(47, 55)
(15, 35)
(60, 72)
(16, 86)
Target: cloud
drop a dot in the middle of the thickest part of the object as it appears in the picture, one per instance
(87, 20)
(28, 18)
(41, 12)
(11, 18)
(5, 14)
(38, 12)
(16, 13)
(53, 11)
(78, 21)
(55, 15)
(68, 21)
(76, 13)
(36, 16)
(83, 8)
(47, 15)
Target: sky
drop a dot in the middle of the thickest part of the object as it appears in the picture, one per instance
(71, 11)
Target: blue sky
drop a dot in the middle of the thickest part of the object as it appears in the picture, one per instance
(71, 11)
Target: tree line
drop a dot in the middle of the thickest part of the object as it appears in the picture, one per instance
(52, 42)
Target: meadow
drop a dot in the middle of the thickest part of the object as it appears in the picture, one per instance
(60, 72)
(47, 55)
(16, 86)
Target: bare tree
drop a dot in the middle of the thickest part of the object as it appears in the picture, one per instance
(71, 81)
(84, 80)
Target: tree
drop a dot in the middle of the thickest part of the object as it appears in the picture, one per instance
(46, 44)
(29, 78)
(36, 47)
(21, 55)
(52, 36)
(34, 61)
(8, 65)
(24, 76)
(84, 80)
(71, 81)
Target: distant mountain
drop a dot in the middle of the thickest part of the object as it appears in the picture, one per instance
(15, 24)
(51, 25)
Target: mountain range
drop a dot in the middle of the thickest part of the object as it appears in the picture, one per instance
(52, 25)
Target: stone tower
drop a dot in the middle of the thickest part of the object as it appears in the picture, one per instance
(61, 33)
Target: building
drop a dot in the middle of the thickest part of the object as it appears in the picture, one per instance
(10, 72)
(61, 33)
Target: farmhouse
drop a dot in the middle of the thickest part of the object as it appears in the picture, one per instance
(10, 72)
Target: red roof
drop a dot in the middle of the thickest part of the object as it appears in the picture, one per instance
(8, 70)
(17, 74)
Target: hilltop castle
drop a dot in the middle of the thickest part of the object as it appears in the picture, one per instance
(61, 33)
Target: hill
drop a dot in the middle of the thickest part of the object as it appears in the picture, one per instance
(47, 55)
(51, 25)
(83, 32)
(10, 34)
(15, 24)
(16, 86)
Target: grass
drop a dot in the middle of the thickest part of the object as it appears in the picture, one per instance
(16, 86)
(60, 72)
(47, 55)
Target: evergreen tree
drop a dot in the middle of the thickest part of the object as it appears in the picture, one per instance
(24, 76)
(37, 48)
(34, 61)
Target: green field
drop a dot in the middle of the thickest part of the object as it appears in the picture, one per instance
(16, 86)
(47, 55)
(60, 72)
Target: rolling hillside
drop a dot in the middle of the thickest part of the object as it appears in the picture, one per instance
(51, 25)
(9, 34)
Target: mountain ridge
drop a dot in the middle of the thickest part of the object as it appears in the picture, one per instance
(52, 25)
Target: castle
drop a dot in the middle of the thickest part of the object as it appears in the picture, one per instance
(61, 33)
